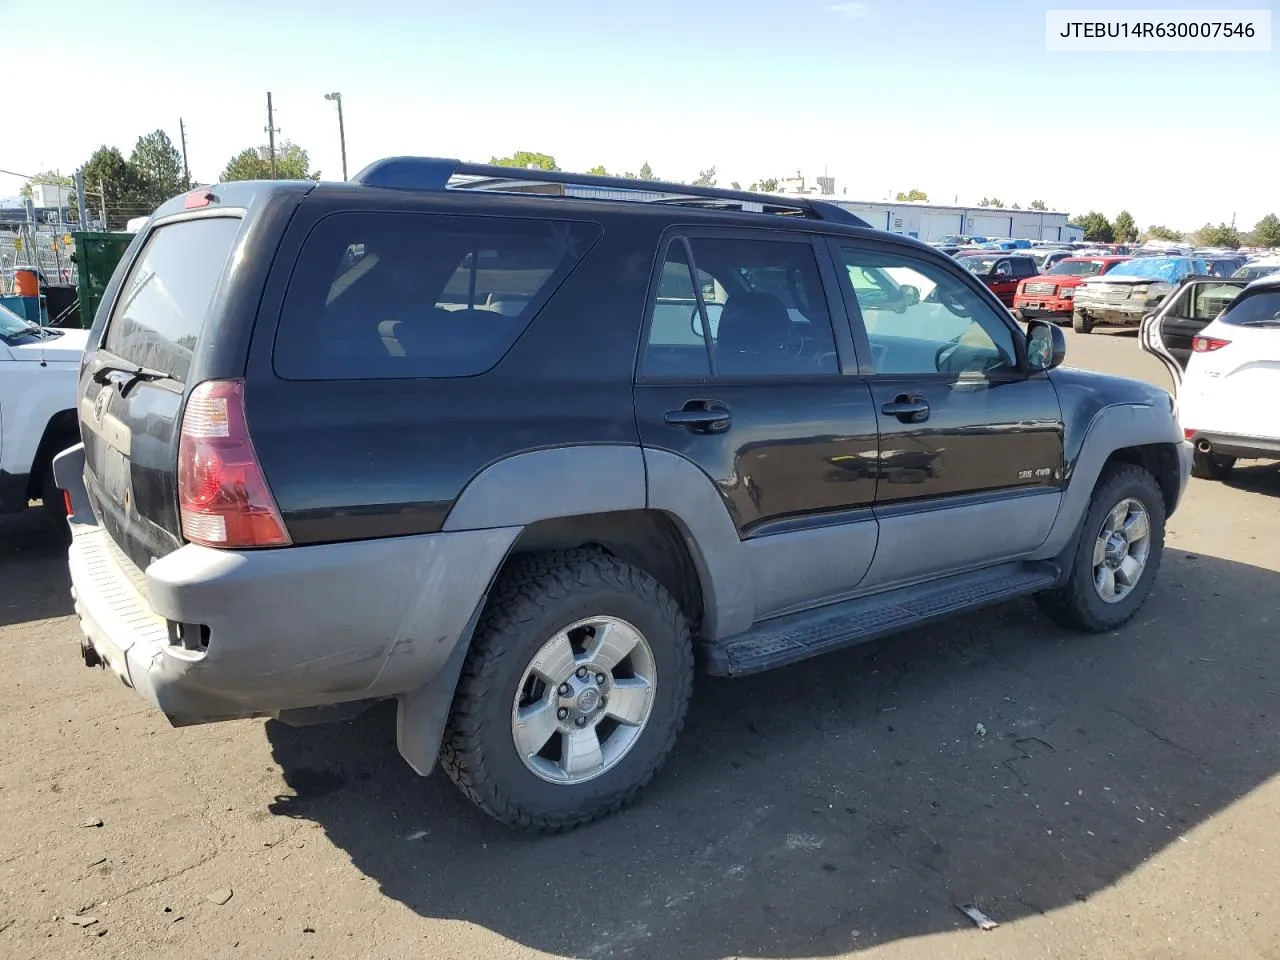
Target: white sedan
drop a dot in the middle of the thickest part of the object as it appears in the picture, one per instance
(1230, 391)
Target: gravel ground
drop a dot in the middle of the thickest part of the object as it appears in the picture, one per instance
(1098, 796)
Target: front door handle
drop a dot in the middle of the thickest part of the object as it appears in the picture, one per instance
(700, 416)
(908, 408)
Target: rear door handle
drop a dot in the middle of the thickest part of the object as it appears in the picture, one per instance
(700, 416)
(908, 408)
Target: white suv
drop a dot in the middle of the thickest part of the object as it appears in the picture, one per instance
(39, 368)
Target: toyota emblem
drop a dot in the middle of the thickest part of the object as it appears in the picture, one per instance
(100, 402)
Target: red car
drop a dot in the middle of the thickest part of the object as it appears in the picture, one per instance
(1001, 270)
(1050, 295)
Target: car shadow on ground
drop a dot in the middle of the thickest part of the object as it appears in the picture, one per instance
(33, 556)
(1256, 477)
(857, 798)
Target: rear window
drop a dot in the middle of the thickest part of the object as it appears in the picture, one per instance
(1261, 309)
(379, 296)
(161, 308)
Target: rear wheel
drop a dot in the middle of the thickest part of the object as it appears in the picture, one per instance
(1115, 562)
(1211, 466)
(574, 690)
(1081, 322)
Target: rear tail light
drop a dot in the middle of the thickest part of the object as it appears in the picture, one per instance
(1187, 433)
(1207, 344)
(222, 492)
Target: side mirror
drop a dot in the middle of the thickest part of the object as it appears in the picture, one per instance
(1046, 346)
(910, 295)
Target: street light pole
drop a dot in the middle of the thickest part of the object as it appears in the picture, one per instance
(342, 133)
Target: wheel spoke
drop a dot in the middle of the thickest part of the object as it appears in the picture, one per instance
(628, 700)
(581, 752)
(1100, 550)
(1130, 570)
(555, 661)
(1136, 527)
(1118, 515)
(535, 725)
(613, 642)
(1106, 581)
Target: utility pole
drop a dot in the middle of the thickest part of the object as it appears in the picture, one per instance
(182, 135)
(271, 135)
(342, 134)
(102, 192)
(80, 205)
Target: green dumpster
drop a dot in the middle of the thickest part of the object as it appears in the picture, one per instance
(96, 255)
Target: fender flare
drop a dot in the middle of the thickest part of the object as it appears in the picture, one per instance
(1113, 428)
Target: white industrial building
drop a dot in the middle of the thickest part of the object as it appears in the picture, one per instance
(929, 221)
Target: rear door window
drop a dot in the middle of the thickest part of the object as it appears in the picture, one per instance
(160, 311)
(406, 295)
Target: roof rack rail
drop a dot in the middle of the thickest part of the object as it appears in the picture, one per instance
(438, 173)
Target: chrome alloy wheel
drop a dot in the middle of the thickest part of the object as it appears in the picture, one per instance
(1121, 550)
(584, 700)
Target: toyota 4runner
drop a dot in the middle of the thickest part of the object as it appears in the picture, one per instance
(518, 457)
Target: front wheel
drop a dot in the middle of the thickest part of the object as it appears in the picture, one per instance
(573, 693)
(1211, 466)
(1081, 322)
(1115, 562)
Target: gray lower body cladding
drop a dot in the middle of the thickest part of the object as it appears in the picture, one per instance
(288, 628)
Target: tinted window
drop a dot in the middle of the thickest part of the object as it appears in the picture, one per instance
(162, 304)
(1024, 267)
(766, 311)
(922, 319)
(1261, 309)
(419, 295)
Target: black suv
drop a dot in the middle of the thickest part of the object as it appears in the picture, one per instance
(518, 449)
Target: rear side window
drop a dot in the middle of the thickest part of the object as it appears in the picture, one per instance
(382, 296)
(161, 308)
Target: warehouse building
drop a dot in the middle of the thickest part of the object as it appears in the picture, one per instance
(928, 221)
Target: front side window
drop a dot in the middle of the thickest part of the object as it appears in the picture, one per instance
(933, 324)
(765, 308)
(382, 296)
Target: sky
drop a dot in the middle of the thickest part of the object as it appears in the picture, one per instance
(960, 100)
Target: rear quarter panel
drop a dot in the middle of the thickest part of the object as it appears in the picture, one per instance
(351, 459)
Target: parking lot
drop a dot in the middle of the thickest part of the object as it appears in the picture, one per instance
(1098, 796)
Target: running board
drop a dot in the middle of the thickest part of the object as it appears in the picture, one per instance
(798, 636)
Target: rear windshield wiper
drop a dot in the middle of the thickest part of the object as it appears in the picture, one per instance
(132, 373)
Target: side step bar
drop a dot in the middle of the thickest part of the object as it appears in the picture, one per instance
(798, 636)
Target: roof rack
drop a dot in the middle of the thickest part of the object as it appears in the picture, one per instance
(437, 173)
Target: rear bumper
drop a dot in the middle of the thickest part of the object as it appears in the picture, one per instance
(1234, 445)
(283, 629)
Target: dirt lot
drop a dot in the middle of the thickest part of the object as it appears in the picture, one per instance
(1108, 796)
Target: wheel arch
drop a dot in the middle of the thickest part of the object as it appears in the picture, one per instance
(62, 431)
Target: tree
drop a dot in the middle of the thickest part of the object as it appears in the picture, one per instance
(110, 180)
(526, 159)
(1157, 232)
(1124, 228)
(1037, 205)
(706, 178)
(1096, 227)
(47, 176)
(1219, 236)
(990, 202)
(765, 186)
(1015, 207)
(157, 169)
(292, 163)
(735, 185)
(1266, 232)
(646, 172)
(913, 194)
(598, 171)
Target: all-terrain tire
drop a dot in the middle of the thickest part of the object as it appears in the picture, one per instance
(1077, 604)
(535, 598)
(1211, 466)
(1081, 322)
